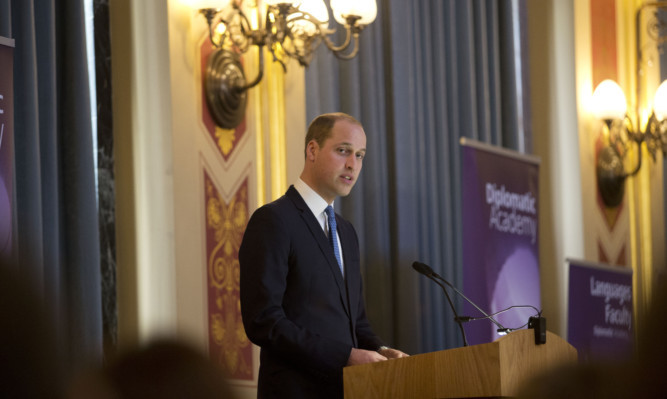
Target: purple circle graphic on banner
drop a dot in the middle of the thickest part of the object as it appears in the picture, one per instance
(520, 266)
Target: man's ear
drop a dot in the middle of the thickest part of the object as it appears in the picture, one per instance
(311, 150)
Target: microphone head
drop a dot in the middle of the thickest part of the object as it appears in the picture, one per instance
(423, 268)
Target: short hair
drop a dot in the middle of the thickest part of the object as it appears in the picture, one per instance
(165, 368)
(320, 128)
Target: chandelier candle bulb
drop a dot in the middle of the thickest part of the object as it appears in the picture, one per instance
(660, 101)
(366, 9)
(609, 101)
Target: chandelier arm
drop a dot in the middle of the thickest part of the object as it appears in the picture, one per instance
(277, 27)
(291, 54)
(248, 35)
(662, 136)
(210, 35)
(351, 54)
(275, 35)
(615, 141)
(210, 14)
(330, 44)
(639, 160)
(268, 26)
(260, 74)
(278, 60)
(303, 53)
(652, 134)
(633, 133)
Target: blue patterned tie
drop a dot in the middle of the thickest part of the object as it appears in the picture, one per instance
(333, 240)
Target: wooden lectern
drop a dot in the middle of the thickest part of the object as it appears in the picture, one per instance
(496, 369)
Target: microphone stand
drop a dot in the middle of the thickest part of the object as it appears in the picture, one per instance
(501, 328)
(457, 319)
(428, 272)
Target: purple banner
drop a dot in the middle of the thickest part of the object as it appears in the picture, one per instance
(600, 311)
(6, 144)
(500, 238)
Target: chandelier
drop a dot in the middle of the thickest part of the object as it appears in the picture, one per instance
(630, 128)
(291, 29)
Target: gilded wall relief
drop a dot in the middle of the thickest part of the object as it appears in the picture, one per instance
(225, 224)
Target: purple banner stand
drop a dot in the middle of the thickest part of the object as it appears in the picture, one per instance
(500, 237)
(600, 311)
(6, 144)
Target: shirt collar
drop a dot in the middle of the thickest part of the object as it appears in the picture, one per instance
(316, 203)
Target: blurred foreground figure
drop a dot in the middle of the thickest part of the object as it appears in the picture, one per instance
(165, 369)
(29, 366)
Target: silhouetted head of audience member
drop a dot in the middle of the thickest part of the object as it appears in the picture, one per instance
(649, 368)
(581, 381)
(164, 369)
(29, 366)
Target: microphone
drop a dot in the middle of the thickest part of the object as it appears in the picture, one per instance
(428, 272)
(423, 269)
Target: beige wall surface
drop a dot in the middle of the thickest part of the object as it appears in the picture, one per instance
(144, 169)
(551, 27)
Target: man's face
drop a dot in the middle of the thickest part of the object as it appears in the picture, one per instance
(338, 162)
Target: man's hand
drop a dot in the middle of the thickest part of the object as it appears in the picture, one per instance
(391, 353)
(362, 356)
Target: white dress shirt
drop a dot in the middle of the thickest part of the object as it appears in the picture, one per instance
(317, 205)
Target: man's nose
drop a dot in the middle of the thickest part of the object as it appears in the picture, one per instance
(351, 162)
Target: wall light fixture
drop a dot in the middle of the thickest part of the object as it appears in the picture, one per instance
(291, 29)
(610, 106)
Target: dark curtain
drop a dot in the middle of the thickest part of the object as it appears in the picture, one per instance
(57, 220)
(428, 73)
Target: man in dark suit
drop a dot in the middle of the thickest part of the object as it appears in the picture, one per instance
(301, 288)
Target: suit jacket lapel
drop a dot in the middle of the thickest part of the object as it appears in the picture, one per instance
(322, 242)
(347, 241)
